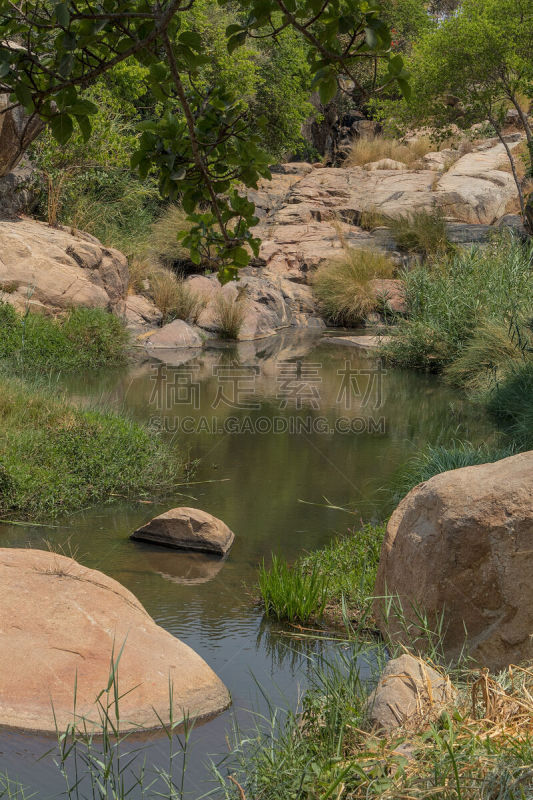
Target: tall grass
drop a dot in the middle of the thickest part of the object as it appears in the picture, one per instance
(168, 290)
(291, 593)
(85, 338)
(375, 148)
(449, 299)
(163, 246)
(342, 286)
(510, 403)
(56, 458)
(421, 232)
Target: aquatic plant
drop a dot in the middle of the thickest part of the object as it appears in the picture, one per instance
(292, 593)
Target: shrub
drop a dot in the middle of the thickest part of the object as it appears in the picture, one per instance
(290, 593)
(230, 314)
(510, 403)
(85, 338)
(343, 287)
(491, 352)
(421, 232)
(374, 148)
(448, 300)
(56, 457)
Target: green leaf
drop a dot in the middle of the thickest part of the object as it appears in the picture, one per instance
(4, 68)
(191, 39)
(240, 256)
(327, 88)
(236, 41)
(62, 14)
(62, 127)
(405, 87)
(84, 124)
(83, 107)
(24, 96)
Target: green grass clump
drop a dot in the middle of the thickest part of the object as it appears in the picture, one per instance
(449, 300)
(349, 563)
(230, 314)
(435, 459)
(510, 403)
(291, 593)
(343, 286)
(421, 232)
(85, 338)
(57, 458)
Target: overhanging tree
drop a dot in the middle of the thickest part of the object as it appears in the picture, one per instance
(201, 146)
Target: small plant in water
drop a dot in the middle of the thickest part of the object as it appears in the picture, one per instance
(292, 594)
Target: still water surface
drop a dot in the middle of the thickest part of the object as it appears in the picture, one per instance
(303, 424)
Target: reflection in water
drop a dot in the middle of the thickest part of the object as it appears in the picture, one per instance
(253, 482)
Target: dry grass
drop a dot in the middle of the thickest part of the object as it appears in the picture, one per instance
(170, 293)
(343, 288)
(164, 246)
(230, 314)
(371, 218)
(374, 148)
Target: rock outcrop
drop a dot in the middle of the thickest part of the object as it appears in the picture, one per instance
(410, 695)
(187, 529)
(53, 269)
(17, 131)
(61, 623)
(461, 544)
(174, 336)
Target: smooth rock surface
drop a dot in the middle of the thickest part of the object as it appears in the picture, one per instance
(55, 269)
(462, 542)
(410, 695)
(174, 335)
(187, 529)
(60, 621)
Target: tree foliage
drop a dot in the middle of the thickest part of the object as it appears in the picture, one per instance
(200, 144)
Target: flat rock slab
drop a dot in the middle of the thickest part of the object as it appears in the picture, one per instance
(361, 342)
(60, 623)
(187, 529)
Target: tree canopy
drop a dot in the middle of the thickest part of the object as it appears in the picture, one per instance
(200, 143)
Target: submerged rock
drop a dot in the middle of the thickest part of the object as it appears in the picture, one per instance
(187, 529)
(461, 544)
(410, 695)
(61, 623)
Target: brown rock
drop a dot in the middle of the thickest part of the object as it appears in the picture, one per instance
(410, 695)
(55, 269)
(462, 544)
(60, 623)
(187, 529)
(392, 292)
(174, 335)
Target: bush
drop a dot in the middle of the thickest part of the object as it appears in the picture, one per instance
(374, 148)
(164, 246)
(343, 288)
(85, 338)
(448, 301)
(290, 593)
(510, 403)
(58, 458)
(420, 232)
(492, 351)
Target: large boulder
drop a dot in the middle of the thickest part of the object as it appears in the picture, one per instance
(410, 695)
(61, 623)
(461, 544)
(187, 529)
(54, 269)
(174, 335)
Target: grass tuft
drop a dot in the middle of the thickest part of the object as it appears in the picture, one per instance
(230, 314)
(421, 232)
(510, 403)
(291, 593)
(343, 288)
(374, 148)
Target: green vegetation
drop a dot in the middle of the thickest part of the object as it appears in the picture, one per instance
(336, 580)
(343, 286)
(435, 459)
(85, 338)
(420, 232)
(292, 593)
(510, 402)
(450, 300)
(57, 458)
